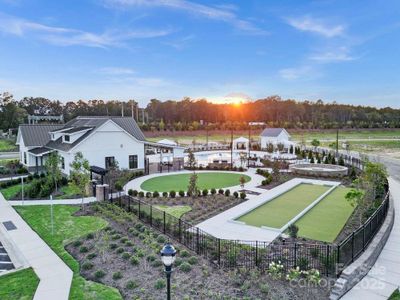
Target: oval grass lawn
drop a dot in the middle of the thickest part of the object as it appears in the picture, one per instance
(206, 180)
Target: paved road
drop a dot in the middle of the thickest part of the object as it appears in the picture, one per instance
(384, 277)
(7, 155)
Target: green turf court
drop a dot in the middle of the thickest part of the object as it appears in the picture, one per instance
(206, 180)
(325, 220)
(279, 211)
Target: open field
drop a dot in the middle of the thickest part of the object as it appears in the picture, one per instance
(177, 210)
(279, 211)
(206, 180)
(18, 285)
(325, 221)
(68, 228)
(7, 145)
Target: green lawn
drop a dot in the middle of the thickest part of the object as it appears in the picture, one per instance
(19, 285)
(395, 295)
(325, 221)
(7, 145)
(277, 212)
(177, 211)
(179, 182)
(69, 191)
(12, 191)
(66, 229)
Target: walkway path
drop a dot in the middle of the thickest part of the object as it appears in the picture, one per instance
(55, 276)
(54, 202)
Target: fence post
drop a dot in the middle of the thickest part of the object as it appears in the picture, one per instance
(129, 204)
(180, 230)
(151, 215)
(256, 254)
(363, 237)
(295, 255)
(139, 209)
(219, 252)
(197, 241)
(338, 259)
(327, 260)
(352, 247)
(164, 221)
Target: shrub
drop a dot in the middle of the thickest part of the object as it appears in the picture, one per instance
(126, 255)
(178, 262)
(303, 263)
(161, 239)
(113, 246)
(184, 253)
(99, 274)
(205, 192)
(134, 260)
(313, 276)
(120, 250)
(129, 243)
(185, 267)
(293, 274)
(151, 258)
(242, 195)
(156, 264)
(87, 266)
(130, 192)
(83, 249)
(227, 192)
(91, 255)
(213, 191)
(293, 230)
(221, 191)
(141, 194)
(275, 270)
(193, 260)
(172, 194)
(156, 194)
(116, 236)
(148, 195)
(117, 275)
(165, 194)
(181, 193)
(124, 240)
(236, 194)
(131, 284)
(89, 236)
(77, 243)
(160, 284)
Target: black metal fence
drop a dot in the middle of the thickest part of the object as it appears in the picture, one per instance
(328, 259)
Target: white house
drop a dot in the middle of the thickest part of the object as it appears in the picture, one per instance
(240, 143)
(101, 140)
(275, 136)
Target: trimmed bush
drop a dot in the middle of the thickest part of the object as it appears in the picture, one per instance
(130, 192)
(193, 260)
(184, 253)
(129, 243)
(236, 194)
(131, 284)
(83, 249)
(181, 193)
(227, 193)
(116, 236)
(120, 250)
(242, 195)
(126, 255)
(160, 284)
(117, 275)
(213, 191)
(148, 195)
(156, 194)
(134, 260)
(141, 194)
(172, 194)
(77, 243)
(87, 266)
(185, 267)
(124, 240)
(99, 274)
(91, 255)
(205, 192)
(221, 191)
(165, 194)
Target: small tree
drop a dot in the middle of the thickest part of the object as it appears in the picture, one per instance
(276, 171)
(315, 143)
(80, 175)
(356, 198)
(192, 188)
(270, 147)
(52, 166)
(242, 181)
(293, 230)
(191, 160)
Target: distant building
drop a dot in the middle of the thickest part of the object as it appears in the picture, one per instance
(241, 143)
(276, 136)
(101, 140)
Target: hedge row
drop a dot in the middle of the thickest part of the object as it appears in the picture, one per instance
(181, 193)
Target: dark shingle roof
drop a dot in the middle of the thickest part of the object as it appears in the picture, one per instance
(273, 132)
(80, 123)
(37, 135)
(40, 150)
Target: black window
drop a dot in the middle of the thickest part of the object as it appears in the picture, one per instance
(133, 162)
(25, 160)
(66, 138)
(110, 162)
(62, 163)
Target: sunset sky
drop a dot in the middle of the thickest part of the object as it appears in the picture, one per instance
(344, 51)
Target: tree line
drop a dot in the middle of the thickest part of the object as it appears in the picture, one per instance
(190, 114)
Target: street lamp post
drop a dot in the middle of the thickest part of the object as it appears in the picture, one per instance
(168, 253)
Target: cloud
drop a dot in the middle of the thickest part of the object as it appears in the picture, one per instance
(116, 71)
(224, 14)
(335, 55)
(295, 73)
(316, 26)
(62, 36)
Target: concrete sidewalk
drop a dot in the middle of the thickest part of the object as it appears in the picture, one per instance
(384, 276)
(55, 276)
(54, 202)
